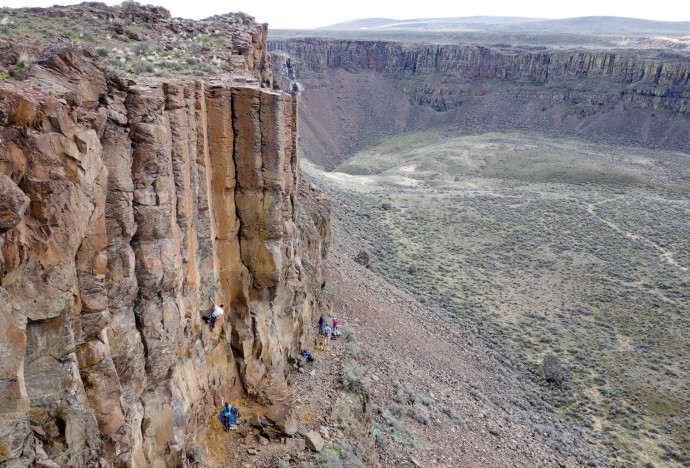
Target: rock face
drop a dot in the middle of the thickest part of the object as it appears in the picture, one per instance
(651, 79)
(125, 209)
(387, 87)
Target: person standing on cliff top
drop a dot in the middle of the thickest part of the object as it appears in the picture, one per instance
(321, 324)
(215, 313)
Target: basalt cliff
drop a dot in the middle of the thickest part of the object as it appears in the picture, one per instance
(126, 208)
(383, 87)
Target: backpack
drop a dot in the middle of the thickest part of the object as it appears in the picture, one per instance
(234, 413)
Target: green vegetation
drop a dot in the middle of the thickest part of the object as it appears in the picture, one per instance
(126, 47)
(353, 379)
(541, 245)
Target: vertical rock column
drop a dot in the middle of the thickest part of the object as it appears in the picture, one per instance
(52, 287)
(234, 276)
(183, 144)
(97, 368)
(157, 242)
(126, 347)
(157, 247)
(260, 259)
(205, 226)
(264, 129)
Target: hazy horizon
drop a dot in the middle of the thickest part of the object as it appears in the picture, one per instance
(309, 14)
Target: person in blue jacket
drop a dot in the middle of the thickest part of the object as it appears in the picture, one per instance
(226, 415)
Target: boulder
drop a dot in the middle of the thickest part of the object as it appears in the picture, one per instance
(284, 418)
(363, 258)
(553, 372)
(314, 441)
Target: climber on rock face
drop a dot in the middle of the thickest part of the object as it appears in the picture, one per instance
(215, 313)
(321, 324)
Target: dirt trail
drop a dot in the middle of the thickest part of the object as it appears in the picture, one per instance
(665, 254)
(401, 340)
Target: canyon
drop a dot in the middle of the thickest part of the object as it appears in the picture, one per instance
(465, 203)
(386, 87)
(527, 189)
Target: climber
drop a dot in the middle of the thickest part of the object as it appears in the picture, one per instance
(327, 334)
(215, 313)
(224, 415)
(376, 437)
(321, 324)
(335, 324)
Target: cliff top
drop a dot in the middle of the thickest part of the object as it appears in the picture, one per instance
(133, 39)
(652, 46)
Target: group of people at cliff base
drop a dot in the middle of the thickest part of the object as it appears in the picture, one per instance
(326, 332)
(228, 416)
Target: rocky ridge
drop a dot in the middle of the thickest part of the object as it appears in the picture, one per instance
(631, 95)
(127, 207)
(134, 39)
(665, 81)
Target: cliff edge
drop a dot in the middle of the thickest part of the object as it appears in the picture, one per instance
(355, 91)
(127, 207)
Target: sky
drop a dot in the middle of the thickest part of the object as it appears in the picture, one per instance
(300, 14)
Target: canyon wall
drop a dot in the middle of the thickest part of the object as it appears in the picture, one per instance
(126, 209)
(604, 94)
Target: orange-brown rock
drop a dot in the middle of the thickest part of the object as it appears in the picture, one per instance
(125, 209)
